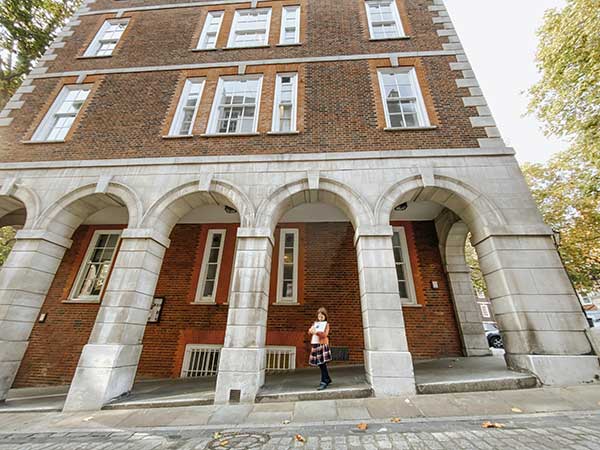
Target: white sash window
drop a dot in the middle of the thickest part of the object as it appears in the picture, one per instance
(187, 108)
(210, 32)
(211, 266)
(406, 285)
(384, 19)
(402, 99)
(107, 38)
(250, 28)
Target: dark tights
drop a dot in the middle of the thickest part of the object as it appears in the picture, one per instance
(325, 378)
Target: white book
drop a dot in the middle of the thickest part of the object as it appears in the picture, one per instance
(320, 327)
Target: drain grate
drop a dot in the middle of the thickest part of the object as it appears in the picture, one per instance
(239, 441)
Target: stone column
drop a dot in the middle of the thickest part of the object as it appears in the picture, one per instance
(388, 363)
(537, 310)
(25, 279)
(243, 357)
(108, 363)
(468, 313)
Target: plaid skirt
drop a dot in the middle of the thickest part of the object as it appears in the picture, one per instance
(320, 354)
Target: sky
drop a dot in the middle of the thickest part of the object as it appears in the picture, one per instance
(500, 41)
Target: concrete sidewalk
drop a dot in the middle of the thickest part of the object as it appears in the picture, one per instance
(303, 413)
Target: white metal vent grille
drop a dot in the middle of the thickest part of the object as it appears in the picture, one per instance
(200, 360)
(281, 358)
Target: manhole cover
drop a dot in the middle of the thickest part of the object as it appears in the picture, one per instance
(239, 441)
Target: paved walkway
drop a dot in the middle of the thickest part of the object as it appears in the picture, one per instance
(483, 404)
(559, 431)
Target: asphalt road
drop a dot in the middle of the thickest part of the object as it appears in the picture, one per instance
(571, 431)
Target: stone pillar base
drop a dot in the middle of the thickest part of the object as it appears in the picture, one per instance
(558, 370)
(241, 375)
(105, 372)
(390, 373)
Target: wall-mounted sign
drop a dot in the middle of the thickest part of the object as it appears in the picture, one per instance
(155, 310)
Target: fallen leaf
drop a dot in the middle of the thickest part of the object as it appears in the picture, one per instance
(285, 422)
(362, 426)
(489, 424)
(224, 443)
(516, 410)
(216, 435)
(300, 438)
(396, 419)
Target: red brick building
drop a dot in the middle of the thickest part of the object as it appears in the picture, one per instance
(225, 168)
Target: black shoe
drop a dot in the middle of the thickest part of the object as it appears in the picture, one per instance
(328, 382)
(322, 386)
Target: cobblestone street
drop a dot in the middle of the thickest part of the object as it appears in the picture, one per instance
(574, 431)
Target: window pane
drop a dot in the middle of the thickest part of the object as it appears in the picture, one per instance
(208, 288)
(214, 255)
(400, 272)
(402, 289)
(211, 273)
(216, 240)
(288, 272)
(237, 106)
(97, 265)
(288, 289)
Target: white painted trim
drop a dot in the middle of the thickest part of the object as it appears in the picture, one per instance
(211, 129)
(80, 274)
(205, 30)
(282, 349)
(396, 15)
(164, 6)
(199, 298)
(421, 110)
(43, 130)
(410, 282)
(284, 12)
(276, 117)
(94, 46)
(279, 298)
(234, 26)
(178, 118)
(211, 65)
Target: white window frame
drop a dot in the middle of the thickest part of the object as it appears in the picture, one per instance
(276, 116)
(422, 116)
(395, 13)
(213, 123)
(181, 105)
(44, 129)
(284, 12)
(409, 280)
(211, 299)
(95, 45)
(201, 42)
(234, 28)
(294, 298)
(82, 268)
(189, 348)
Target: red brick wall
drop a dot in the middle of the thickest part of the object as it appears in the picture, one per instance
(431, 327)
(340, 107)
(55, 345)
(328, 276)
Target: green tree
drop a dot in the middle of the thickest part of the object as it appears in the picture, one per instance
(567, 97)
(7, 236)
(26, 28)
(567, 191)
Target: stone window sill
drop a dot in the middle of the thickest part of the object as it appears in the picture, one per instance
(214, 135)
(282, 133)
(412, 305)
(243, 48)
(286, 304)
(183, 136)
(43, 142)
(84, 302)
(410, 128)
(204, 49)
(399, 38)
(93, 57)
(295, 44)
(203, 303)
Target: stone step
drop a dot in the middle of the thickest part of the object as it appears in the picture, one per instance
(484, 384)
(330, 393)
